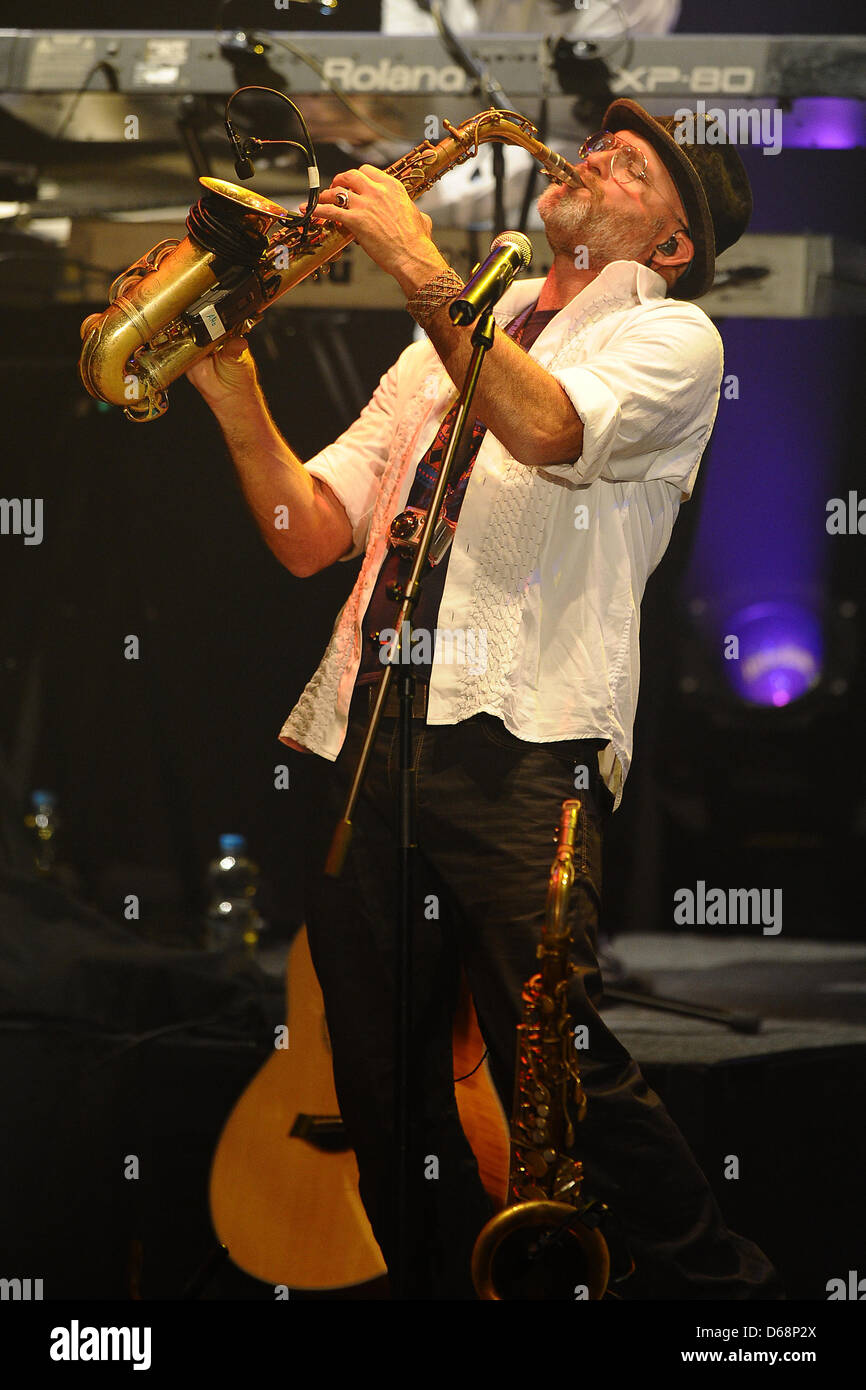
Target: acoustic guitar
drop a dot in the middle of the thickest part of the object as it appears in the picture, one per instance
(284, 1194)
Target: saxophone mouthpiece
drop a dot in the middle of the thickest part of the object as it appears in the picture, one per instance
(558, 168)
(573, 179)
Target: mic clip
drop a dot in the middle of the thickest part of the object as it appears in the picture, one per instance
(244, 147)
(244, 167)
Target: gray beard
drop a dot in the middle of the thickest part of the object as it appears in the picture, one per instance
(607, 235)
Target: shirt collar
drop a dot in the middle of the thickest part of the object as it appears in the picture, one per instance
(617, 280)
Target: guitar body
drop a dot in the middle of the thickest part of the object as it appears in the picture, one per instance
(287, 1212)
(484, 1121)
(287, 1209)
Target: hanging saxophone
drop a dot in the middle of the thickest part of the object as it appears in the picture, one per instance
(545, 1243)
(184, 298)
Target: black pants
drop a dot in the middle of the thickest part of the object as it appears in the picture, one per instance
(488, 807)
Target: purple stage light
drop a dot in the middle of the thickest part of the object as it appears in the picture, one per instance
(780, 652)
(824, 123)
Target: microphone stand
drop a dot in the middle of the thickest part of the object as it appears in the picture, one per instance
(398, 1272)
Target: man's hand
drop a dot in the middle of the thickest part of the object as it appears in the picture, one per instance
(385, 223)
(519, 402)
(226, 375)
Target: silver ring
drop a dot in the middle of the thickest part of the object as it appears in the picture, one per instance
(342, 197)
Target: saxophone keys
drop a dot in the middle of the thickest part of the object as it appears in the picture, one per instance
(530, 1193)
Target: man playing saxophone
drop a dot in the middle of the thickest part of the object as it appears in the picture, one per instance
(593, 409)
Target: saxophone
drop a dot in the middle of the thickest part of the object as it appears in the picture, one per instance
(180, 301)
(545, 1243)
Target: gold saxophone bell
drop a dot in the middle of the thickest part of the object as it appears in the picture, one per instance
(245, 198)
(546, 1244)
(540, 1250)
(184, 298)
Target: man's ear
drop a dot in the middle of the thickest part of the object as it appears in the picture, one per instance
(677, 251)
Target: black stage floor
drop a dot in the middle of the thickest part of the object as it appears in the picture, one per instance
(115, 1045)
(806, 993)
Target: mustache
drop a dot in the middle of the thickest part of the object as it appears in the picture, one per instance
(563, 201)
(581, 181)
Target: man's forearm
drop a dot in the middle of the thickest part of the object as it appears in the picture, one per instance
(519, 402)
(281, 494)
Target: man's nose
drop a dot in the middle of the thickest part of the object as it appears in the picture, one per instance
(601, 160)
(598, 161)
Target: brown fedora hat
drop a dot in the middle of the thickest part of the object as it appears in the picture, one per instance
(710, 180)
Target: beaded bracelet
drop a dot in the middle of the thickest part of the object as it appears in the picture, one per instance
(431, 296)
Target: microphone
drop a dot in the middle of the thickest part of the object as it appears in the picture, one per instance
(243, 164)
(509, 252)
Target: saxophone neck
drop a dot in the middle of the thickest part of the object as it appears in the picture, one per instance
(420, 168)
(556, 933)
(511, 128)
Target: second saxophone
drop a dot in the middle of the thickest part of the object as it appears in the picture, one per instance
(545, 1243)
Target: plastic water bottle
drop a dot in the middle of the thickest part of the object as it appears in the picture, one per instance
(233, 921)
(42, 822)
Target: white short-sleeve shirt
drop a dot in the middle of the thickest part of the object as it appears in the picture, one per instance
(548, 565)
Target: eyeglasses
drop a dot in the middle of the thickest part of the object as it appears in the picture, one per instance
(626, 164)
